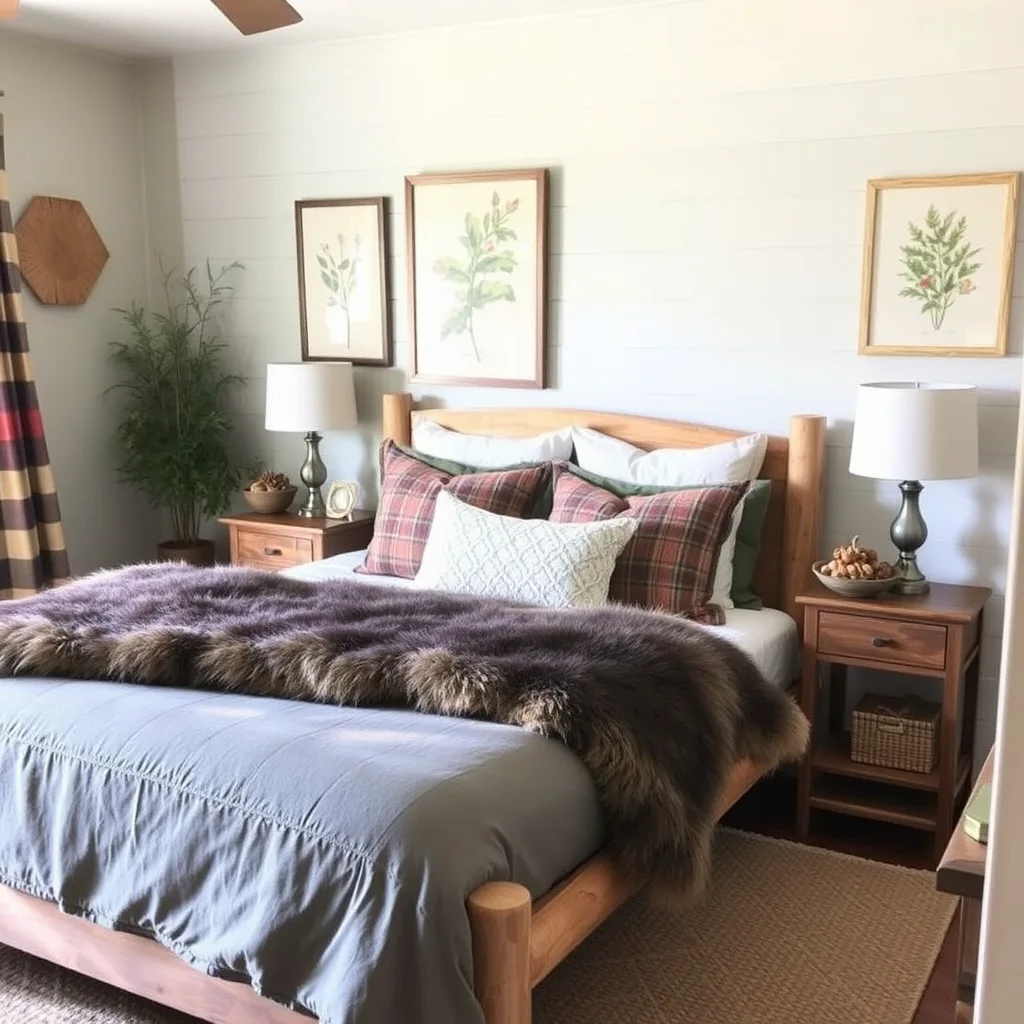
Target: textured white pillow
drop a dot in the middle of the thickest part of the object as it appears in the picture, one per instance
(484, 452)
(729, 462)
(558, 565)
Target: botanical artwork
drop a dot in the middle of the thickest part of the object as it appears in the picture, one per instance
(939, 262)
(342, 256)
(938, 265)
(476, 277)
(339, 275)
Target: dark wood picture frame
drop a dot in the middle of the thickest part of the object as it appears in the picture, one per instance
(538, 176)
(381, 252)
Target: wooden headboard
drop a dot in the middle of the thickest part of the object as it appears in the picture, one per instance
(792, 529)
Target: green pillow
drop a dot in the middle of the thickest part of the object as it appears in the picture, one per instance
(542, 505)
(748, 536)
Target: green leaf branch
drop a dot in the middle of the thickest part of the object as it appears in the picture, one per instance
(339, 274)
(474, 277)
(939, 263)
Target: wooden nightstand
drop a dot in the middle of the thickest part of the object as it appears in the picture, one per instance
(936, 635)
(280, 541)
(962, 873)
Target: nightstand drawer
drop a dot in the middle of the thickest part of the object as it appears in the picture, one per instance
(893, 641)
(272, 550)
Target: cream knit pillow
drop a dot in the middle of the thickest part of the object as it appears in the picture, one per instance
(557, 565)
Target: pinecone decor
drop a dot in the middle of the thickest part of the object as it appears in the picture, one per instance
(853, 562)
(268, 481)
(270, 493)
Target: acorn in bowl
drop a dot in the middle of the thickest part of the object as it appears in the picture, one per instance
(856, 571)
(270, 493)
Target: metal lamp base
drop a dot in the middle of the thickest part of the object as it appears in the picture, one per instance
(908, 533)
(314, 475)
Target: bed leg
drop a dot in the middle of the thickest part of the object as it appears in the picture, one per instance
(499, 918)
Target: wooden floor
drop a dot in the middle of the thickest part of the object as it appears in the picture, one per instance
(770, 809)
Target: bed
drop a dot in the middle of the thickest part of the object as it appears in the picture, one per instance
(517, 938)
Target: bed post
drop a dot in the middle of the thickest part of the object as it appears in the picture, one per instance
(804, 487)
(396, 417)
(499, 918)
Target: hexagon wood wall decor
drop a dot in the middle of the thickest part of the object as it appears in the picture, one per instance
(60, 251)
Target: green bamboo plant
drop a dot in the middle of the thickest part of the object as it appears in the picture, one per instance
(174, 432)
(939, 263)
(474, 276)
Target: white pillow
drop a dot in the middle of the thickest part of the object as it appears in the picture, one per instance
(729, 462)
(557, 565)
(484, 452)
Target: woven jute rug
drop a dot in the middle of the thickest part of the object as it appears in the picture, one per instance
(788, 935)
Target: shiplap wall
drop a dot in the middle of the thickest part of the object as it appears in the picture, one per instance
(708, 164)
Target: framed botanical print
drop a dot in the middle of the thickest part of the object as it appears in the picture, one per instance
(343, 280)
(938, 265)
(477, 263)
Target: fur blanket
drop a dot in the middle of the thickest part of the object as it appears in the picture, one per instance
(658, 709)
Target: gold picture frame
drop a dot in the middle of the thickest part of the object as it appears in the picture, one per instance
(944, 248)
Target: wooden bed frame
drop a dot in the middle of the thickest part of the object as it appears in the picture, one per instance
(517, 942)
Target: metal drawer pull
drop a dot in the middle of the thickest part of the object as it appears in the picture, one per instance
(272, 551)
(881, 641)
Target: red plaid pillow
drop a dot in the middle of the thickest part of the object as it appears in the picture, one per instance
(669, 564)
(408, 493)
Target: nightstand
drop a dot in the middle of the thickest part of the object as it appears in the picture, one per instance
(935, 635)
(283, 540)
(962, 873)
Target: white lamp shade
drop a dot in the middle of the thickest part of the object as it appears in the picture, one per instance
(302, 397)
(913, 431)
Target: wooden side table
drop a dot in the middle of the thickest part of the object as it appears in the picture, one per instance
(283, 540)
(934, 635)
(961, 872)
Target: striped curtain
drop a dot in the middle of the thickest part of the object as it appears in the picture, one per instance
(32, 552)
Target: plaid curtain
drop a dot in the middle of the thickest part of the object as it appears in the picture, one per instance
(32, 552)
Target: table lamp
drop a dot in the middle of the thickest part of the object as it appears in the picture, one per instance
(909, 431)
(308, 398)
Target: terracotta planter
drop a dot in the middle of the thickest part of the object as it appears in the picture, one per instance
(199, 553)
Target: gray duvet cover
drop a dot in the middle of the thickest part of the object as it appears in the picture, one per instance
(321, 853)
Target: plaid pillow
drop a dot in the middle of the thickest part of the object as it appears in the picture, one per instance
(408, 493)
(669, 564)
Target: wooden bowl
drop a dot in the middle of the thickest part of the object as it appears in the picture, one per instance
(853, 588)
(269, 502)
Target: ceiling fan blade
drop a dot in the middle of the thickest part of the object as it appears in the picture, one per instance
(8, 9)
(253, 16)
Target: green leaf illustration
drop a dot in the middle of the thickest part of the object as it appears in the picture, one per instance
(492, 291)
(474, 290)
(939, 264)
(456, 322)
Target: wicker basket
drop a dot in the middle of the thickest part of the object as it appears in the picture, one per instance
(896, 732)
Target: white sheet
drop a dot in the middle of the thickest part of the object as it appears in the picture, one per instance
(768, 636)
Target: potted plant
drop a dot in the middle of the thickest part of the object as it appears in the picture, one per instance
(174, 432)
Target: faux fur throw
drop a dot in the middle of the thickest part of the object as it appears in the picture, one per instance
(657, 709)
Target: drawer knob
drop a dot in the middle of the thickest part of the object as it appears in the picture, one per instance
(272, 552)
(881, 641)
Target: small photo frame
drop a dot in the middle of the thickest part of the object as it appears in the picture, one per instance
(477, 264)
(344, 312)
(938, 265)
(341, 499)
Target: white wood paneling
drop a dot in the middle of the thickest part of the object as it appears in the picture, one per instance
(708, 165)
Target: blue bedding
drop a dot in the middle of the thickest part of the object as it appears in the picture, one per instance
(321, 853)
